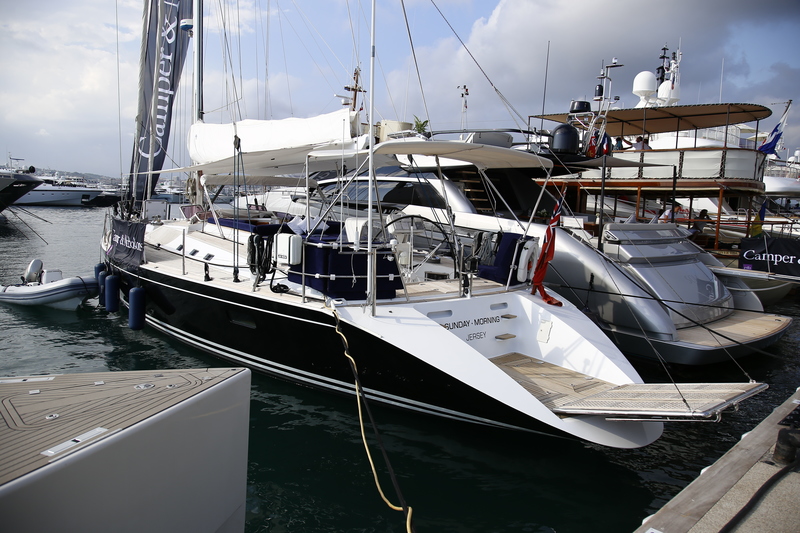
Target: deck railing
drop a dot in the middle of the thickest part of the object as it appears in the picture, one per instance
(689, 163)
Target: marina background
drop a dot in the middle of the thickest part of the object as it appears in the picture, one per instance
(307, 468)
(70, 93)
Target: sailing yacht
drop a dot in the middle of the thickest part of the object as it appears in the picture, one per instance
(398, 309)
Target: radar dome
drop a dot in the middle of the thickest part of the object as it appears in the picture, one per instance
(667, 94)
(566, 139)
(644, 85)
(580, 106)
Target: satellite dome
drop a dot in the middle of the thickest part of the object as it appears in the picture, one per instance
(644, 85)
(566, 139)
(667, 94)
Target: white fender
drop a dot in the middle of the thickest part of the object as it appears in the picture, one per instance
(527, 258)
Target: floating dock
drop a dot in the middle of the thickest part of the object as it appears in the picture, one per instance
(126, 451)
(746, 476)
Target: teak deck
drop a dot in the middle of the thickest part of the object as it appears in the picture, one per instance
(568, 392)
(740, 326)
(44, 418)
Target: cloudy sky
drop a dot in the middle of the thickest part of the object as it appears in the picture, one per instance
(69, 83)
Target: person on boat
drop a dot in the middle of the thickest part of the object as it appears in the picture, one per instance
(699, 225)
(641, 144)
(667, 215)
(618, 143)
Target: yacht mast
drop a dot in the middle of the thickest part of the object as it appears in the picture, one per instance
(197, 52)
(197, 84)
(371, 258)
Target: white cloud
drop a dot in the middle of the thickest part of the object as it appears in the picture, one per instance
(61, 64)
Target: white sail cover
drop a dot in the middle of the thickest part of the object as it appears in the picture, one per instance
(209, 143)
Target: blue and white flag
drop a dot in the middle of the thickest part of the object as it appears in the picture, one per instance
(770, 144)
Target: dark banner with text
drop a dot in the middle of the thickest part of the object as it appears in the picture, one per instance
(775, 255)
(164, 48)
(127, 243)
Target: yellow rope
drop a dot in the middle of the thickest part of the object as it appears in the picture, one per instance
(359, 392)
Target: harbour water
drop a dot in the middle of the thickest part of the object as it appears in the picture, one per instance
(307, 468)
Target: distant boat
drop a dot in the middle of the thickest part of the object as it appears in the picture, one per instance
(14, 185)
(60, 191)
(147, 450)
(49, 288)
(782, 178)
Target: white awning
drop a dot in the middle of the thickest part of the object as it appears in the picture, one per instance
(481, 155)
(647, 120)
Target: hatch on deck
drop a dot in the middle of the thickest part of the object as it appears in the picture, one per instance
(570, 393)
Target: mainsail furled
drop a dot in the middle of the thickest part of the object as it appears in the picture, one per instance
(164, 48)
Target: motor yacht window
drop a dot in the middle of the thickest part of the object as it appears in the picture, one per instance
(400, 192)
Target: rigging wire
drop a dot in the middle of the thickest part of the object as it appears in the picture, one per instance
(239, 46)
(25, 223)
(634, 315)
(503, 99)
(695, 318)
(267, 33)
(416, 63)
(668, 284)
(567, 209)
(310, 26)
(306, 22)
(666, 303)
(257, 16)
(380, 68)
(229, 85)
(356, 49)
(285, 63)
